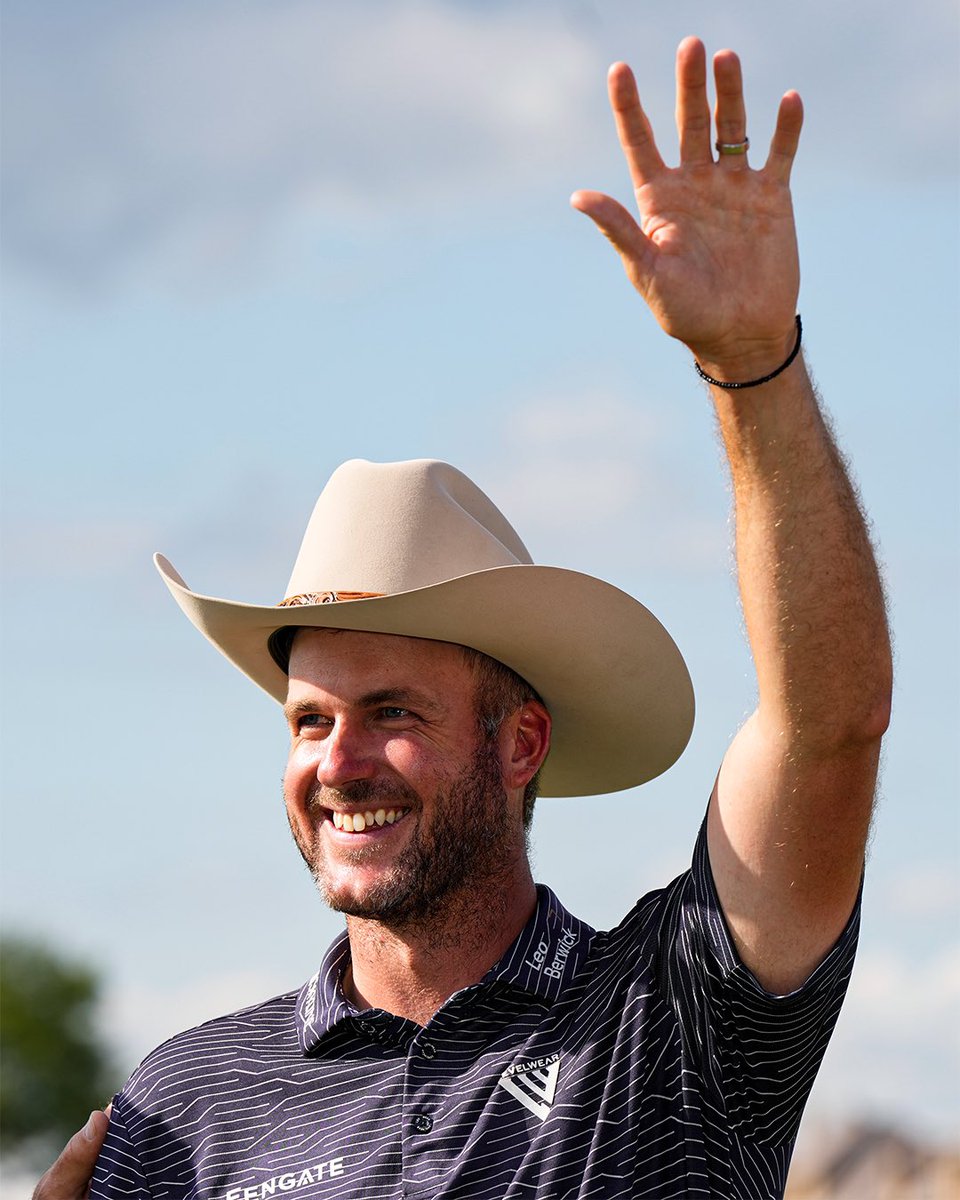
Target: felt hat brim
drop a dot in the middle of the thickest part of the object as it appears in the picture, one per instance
(614, 681)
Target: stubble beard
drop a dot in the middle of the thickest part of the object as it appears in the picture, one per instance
(465, 852)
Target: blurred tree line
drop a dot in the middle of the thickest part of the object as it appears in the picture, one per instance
(54, 1063)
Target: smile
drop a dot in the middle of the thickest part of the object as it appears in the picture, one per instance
(358, 822)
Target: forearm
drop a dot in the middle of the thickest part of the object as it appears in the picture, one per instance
(793, 800)
(714, 255)
(812, 597)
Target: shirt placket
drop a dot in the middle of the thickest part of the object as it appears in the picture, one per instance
(429, 1068)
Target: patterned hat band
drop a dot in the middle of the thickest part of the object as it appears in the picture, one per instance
(325, 598)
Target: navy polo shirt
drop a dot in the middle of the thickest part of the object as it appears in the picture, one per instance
(641, 1062)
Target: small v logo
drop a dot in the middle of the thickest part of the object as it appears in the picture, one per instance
(534, 1084)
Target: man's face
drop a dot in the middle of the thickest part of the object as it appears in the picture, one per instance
(393, 798)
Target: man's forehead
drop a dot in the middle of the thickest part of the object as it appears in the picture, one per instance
(326, 654)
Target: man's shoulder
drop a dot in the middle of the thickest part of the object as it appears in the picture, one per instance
(249, 1039)
(632, 954)
(649, 918)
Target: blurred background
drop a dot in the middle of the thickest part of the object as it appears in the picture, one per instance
(247, 240)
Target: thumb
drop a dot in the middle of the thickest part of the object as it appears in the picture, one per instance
(69, 1177)
(619, 227)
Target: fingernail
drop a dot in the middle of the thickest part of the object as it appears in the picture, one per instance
(90, 1130)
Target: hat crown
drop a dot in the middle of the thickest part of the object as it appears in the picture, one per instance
(386, 528)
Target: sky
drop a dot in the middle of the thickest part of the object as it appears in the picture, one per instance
(246, 241)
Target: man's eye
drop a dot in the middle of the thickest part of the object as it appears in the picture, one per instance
(309, 720)
(394, 714)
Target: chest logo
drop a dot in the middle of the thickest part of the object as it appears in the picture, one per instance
(533, 1083)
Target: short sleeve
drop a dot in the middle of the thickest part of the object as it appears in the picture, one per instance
(758, 1053)
(118, 1174)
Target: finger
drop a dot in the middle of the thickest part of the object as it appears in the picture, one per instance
(693, 111)
(633, 127)
(786, 137)
(731, 116)
(70, 1174)
(621, 230)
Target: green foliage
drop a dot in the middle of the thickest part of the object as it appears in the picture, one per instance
(55, 1067)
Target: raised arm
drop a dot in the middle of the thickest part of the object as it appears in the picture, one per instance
(714, 255)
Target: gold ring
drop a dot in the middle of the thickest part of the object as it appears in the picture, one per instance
(734, 147)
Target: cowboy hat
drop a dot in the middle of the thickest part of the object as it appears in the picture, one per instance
(417, 549)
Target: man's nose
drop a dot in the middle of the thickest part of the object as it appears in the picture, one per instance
(346, 755)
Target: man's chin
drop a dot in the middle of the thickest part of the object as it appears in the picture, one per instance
(380, 900)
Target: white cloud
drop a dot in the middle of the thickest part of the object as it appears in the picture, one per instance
(557, 490)
(197, 130)
(237, 534)
(179, 133)
(927, 891)
(590, 463)
(891, 995)
(595, 415)
(895, 1052)
(74, 547)
(563, 464)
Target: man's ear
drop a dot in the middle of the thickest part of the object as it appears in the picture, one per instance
(524, 742)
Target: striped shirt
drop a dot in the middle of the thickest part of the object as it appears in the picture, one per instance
(641, 1062)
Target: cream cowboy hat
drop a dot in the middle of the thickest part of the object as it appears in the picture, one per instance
(416, 549)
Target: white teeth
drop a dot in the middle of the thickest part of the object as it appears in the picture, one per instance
(358, 822)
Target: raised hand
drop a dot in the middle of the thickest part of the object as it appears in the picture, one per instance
(714, 253)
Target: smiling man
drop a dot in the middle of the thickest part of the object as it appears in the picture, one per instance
(395, 793)
(467, 1036)
(364, 761)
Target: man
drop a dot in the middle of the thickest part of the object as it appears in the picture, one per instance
(468, 1037)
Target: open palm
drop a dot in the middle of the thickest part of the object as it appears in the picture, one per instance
(714, 252)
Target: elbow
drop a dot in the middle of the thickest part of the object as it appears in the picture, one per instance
(865, 705)
(875, 721)
(868, 720)
(878, 711)
(843, 724)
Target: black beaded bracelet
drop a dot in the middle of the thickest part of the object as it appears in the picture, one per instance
(732, 387)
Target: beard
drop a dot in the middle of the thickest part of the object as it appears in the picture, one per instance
(467, 846)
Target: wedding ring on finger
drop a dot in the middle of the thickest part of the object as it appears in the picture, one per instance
(733, 147)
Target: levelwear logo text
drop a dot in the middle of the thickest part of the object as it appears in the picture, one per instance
(533, 1083)
(288, 1182)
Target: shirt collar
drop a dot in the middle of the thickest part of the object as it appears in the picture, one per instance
(321, 1003)
(549, 951)
(543, 960)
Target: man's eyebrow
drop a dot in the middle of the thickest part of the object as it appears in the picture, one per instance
(297, 708)
(400, 696)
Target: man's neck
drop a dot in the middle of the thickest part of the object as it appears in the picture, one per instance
(411, 970)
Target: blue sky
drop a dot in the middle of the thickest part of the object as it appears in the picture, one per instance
(246, 241)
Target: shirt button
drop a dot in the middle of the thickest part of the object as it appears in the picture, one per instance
(428, 1050)
(422, 1123)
